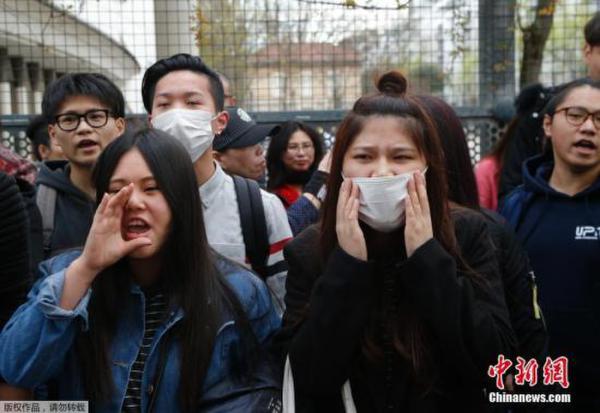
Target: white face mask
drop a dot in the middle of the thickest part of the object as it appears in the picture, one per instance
(190, 127)
(382, 200)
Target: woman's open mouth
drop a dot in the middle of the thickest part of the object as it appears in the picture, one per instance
(136, 228)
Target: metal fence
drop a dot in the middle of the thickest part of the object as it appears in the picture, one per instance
(481, 130)
(307, 58)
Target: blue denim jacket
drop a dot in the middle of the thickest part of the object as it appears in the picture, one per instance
(37, 344)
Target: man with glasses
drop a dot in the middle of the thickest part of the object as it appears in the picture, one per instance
(85, 112)
(556, 216)
(527, 134)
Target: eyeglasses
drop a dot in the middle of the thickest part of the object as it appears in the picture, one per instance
(297, 148)
(577, 116)
(96, 118)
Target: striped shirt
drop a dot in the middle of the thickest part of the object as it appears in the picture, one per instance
(156, 305)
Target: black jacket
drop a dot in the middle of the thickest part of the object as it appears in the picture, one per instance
(330, 306)
(519, 286)
(526, 317)
(561, 234)
(74, 210)
(15, 271)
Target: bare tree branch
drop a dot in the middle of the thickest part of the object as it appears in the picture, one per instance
(355, 5)
(534, 40)
(519, 21)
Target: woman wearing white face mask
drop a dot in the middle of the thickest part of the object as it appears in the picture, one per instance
(393, 293)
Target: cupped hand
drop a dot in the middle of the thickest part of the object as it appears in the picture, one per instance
(418, 229)
(105, 244)
(349, 234)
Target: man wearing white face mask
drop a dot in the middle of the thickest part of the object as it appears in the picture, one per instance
(185, 98)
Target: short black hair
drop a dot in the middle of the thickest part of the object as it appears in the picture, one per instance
(37, 132)
(94, 85)
(591, 30)
(181, 61)
(562, 92)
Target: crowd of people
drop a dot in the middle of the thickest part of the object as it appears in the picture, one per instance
(201, 262)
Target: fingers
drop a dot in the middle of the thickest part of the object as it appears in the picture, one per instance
(418, 227)
(413, 195)
(354, 190)
(134, 244)
(103, 203)
(351, 201)
(349, 234)
(343, 197)
(118, 201)
(422, 192)
(417, 192)
(348, 192)
(353, 215)
(409, 209)
(348, 205)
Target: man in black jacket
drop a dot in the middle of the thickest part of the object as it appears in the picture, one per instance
(529, 135)
(85, 112)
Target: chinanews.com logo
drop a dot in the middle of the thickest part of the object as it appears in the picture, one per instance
(555, 372)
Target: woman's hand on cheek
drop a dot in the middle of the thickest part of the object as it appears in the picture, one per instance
(418, 229)
(105, 244)
(349, 234)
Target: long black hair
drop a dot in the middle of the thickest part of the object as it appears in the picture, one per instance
(462, 186)
(278, 173)
(188, 277)
(410, 336)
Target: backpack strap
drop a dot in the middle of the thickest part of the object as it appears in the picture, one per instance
(254, 224)
(514, 207)
(46, 202)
